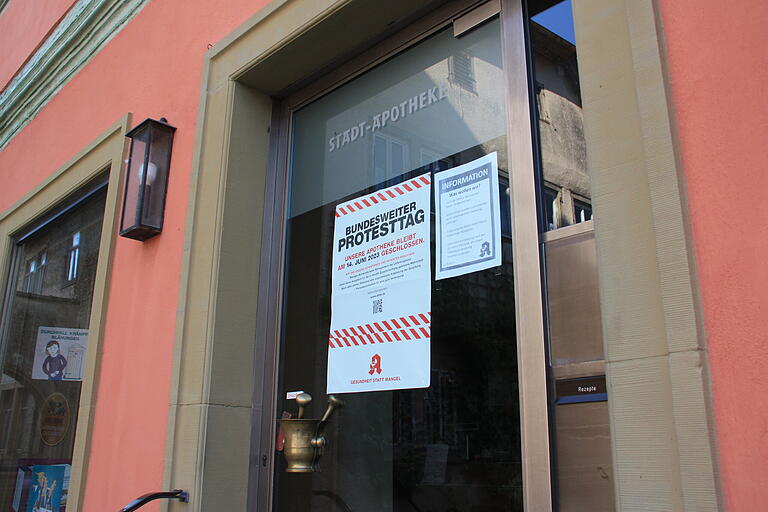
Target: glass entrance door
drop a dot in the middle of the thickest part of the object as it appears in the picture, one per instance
(450, 442)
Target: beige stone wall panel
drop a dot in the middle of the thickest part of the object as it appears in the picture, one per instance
(661, 417)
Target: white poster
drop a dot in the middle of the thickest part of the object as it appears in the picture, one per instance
(381, 291)
(468, 229)
(60, 353)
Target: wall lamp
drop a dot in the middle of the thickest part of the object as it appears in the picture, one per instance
(146, 179)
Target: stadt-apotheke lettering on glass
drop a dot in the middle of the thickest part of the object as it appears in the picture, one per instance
(389, 115)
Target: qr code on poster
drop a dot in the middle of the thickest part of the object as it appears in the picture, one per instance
(378, 305)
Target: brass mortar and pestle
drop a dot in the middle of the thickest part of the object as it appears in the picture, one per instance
(304, 439)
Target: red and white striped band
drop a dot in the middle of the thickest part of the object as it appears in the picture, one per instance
(406, 328)
(382, 195)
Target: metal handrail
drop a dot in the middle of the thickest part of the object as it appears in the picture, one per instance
(176, 494)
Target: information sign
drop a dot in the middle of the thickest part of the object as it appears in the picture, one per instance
(468, 218)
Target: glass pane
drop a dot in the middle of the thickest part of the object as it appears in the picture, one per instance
(410, 100)
(43, 349)
(585, 471)
(575, 330)
(154, 193)
(134, 180)
(561, 129)
(456, 444)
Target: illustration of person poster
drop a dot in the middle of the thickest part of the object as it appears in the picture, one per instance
(381, 291)
(59, 353)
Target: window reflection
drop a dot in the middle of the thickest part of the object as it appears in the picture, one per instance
(42, 352)
(456, 444)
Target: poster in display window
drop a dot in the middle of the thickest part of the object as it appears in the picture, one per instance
(468, 218)
(381, 291)
(42, 485)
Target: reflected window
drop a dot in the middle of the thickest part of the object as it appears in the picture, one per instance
(35, 273)
(462, 71)
(551, 207)
(73, 257)
(582, 211)
(390, 155)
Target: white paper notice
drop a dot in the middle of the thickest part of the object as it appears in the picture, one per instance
(60, 353)
(381, 291)
(468, 218)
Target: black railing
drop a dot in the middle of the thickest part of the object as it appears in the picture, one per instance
(176, 494)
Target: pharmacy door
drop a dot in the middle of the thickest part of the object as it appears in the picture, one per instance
(397, 293)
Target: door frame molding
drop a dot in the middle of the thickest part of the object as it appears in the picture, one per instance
(222, 397)
(531, 345)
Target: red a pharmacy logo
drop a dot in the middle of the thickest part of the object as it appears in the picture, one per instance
(375, 364)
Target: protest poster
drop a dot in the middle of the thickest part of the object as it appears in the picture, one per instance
(381, 291)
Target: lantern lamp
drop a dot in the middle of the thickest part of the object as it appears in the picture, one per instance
(146, 179)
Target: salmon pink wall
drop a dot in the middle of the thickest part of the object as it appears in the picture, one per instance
(24, 24)
(151, 68)
(718, 70)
